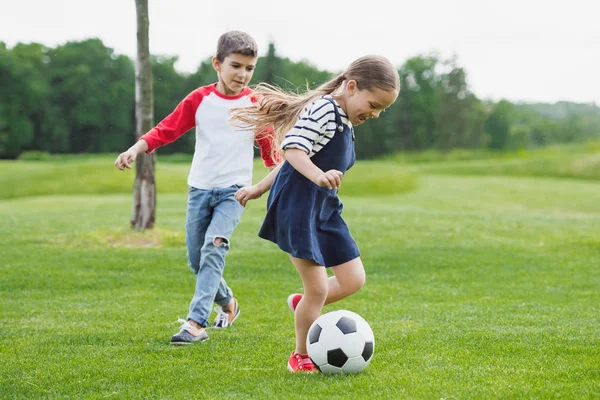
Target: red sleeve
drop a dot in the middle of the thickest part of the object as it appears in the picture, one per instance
(181, 120)
(271, 156)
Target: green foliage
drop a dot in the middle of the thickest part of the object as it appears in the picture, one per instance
(435, 108)
(24, 89)
(562, 122)
(460, 118)
(169, 89)
(94, 91)
(418, 102)
(269, 67)
(79, 98)
(498, 125)
(35, 155)
(561, 109)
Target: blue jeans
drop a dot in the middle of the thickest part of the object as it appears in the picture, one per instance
(211, 214)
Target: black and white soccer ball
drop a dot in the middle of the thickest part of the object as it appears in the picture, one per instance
(340, 342)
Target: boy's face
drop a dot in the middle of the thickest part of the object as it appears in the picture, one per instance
(234, 73)
(365, 104)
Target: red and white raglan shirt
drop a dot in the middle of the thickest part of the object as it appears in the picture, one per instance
(224, 153)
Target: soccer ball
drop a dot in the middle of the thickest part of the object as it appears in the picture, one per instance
(340, 342)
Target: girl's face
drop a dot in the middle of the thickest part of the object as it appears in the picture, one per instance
(234, 72)
(361, 105)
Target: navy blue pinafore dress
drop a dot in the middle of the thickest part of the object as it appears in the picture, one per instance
(304, 219)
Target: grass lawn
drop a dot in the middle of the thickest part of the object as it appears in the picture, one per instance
(479, 285)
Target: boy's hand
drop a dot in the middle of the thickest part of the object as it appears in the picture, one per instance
(247, 193)
(125, 159)
(332, 179)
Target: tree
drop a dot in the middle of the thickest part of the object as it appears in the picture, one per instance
(168, 88)
(144, 190)
(498, 124)
(460, 117)
(269, 67)
(418, 102)
(91, 97)
(23, 93)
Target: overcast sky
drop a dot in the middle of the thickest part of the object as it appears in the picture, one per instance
(521, 50)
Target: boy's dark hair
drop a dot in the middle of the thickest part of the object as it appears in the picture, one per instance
(236, 42)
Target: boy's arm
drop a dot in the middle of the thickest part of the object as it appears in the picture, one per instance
(174, 125)
(266, 141)
(181, 120)
(265, 183)
(255, 191)
(269, 154)
(140, 146)
(125, 159)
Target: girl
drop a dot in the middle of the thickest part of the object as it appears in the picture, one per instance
(315, 132)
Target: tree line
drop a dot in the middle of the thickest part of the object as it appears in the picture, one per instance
(79, 97)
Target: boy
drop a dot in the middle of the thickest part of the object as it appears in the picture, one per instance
(222, 164)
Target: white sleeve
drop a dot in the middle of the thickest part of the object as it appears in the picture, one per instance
(311, 128)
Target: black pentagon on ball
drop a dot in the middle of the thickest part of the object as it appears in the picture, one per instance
(337, 358)
(346, 325)
(314, 334)
(367, 351)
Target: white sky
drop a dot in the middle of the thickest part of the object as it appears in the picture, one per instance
(521, 50)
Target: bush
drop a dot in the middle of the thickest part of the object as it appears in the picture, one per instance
(35, 155)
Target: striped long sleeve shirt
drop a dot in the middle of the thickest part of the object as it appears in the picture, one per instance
(315, 128)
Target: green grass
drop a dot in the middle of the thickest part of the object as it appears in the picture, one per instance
(578, 166)
(80, 175)
(477, 287)
(95, 174)
(578, 161)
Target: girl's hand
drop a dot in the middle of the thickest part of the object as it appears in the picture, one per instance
(247, 193)
(332, 179)
(125, 159)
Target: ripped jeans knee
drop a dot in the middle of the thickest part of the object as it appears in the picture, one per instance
(220, 240)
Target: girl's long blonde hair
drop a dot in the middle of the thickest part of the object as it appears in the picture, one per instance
(279, 110)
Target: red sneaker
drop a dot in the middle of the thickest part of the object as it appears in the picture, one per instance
(293, 300)
(301, 363)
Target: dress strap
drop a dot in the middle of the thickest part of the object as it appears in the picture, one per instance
(338, 117)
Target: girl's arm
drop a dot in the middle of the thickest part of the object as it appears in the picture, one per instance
(310, 129)
(302, 163)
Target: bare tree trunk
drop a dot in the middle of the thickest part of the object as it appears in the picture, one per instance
(144, 190)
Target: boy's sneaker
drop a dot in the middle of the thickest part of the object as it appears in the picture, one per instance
(293, 300)
(188, 334)
(300, 363)
(226, 318)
